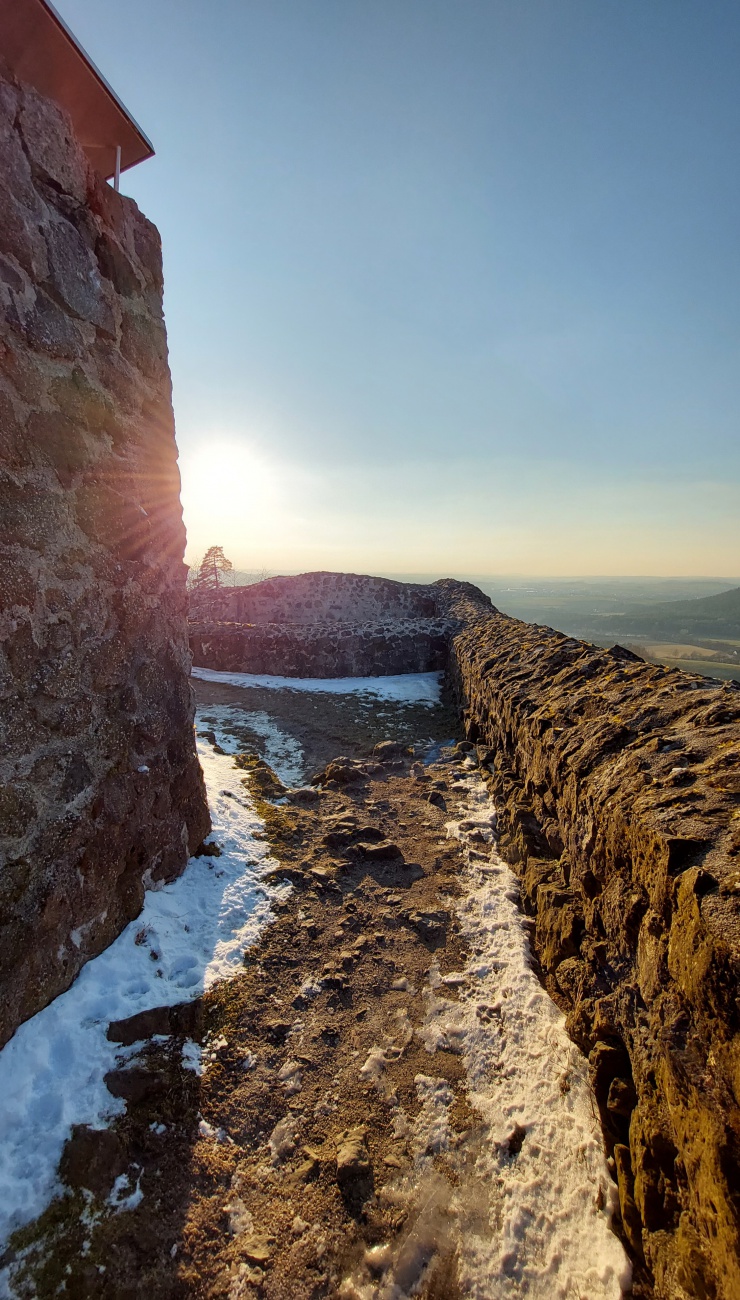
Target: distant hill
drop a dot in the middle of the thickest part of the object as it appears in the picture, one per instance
(708, 616)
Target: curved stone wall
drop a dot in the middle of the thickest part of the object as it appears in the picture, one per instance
(100, 788)
(327, 598)
(323, 650)
(324, 625)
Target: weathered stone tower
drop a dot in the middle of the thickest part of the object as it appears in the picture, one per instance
(100, 788)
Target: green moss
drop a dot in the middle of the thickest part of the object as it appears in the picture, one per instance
(54, 1251)
(263, 781)
(284, 824)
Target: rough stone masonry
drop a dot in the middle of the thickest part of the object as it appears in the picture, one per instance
(617, 784)
(321, 625)
(100, 789)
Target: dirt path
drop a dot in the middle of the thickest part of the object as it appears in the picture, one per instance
(309, 1057)
(313, 1126)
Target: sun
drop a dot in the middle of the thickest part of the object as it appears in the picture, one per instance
(228, 490)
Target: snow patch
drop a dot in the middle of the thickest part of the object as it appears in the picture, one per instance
(189, 934)
(192, 1056)
(374, 1067)
(282, 1139)
(432, 1129)
(290, 1077)
(123, 1196)
(281, 750)
(207, 1130)
(546, 1234)
(408, 688)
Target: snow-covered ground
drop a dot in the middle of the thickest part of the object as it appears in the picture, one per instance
(199, 926)
(281, 750)
(409, 688)
(530, 1209)
(546, 1234)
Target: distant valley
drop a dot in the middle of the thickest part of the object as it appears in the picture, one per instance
(692, 624)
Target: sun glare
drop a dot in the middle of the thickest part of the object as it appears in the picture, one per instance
(229, 490)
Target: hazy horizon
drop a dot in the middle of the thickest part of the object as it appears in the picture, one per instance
(684, 582)
(448, 287)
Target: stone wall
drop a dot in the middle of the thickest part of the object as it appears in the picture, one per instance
(100, 789)
(618, 789)
(325, 598)
(327, 625)
(324, 649)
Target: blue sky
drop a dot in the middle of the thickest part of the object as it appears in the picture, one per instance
(450, 285)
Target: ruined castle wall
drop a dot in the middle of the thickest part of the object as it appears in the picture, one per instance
(100, 790)
(321, 625)
(323, 650)
(618, 789)
(327, 598)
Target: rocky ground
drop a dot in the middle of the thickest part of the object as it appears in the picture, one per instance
(324, 725)
(303, 1130)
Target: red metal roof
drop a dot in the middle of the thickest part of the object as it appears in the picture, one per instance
(39, 48)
